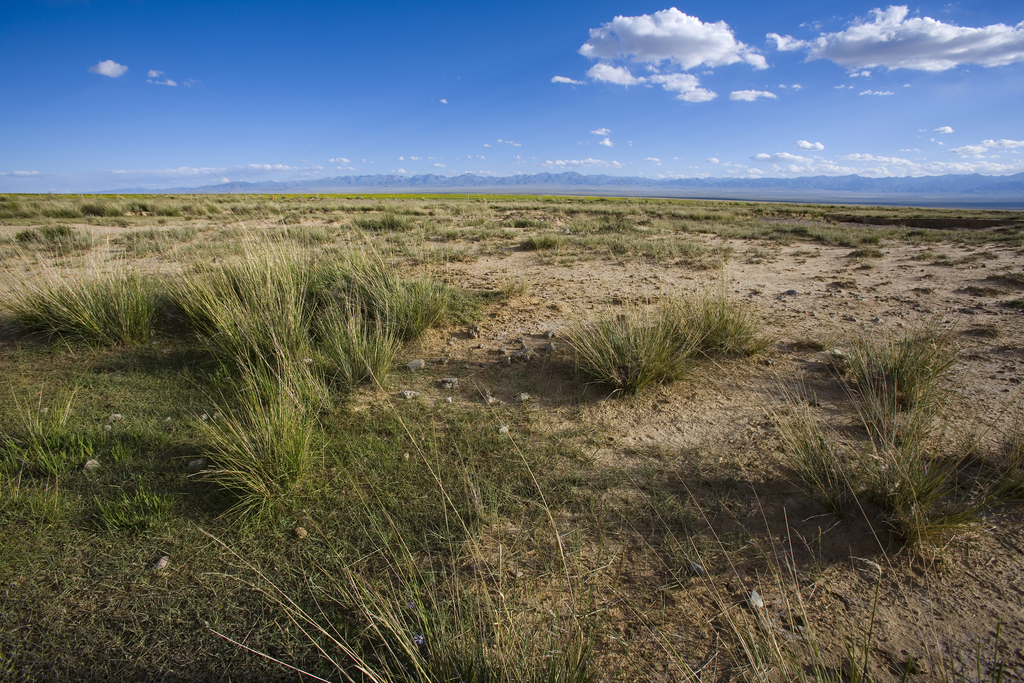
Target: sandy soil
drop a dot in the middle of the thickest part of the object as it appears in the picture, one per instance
(928, 611)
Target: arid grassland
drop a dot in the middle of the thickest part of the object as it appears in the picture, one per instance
(489, 438)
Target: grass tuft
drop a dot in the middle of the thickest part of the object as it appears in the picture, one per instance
(137, 512)
(262, 448)
(630, 351)
(716, 325)
(117, 307)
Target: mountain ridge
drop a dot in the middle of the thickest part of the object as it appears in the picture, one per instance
(965, 186)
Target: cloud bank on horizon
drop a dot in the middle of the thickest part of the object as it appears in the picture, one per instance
(722, 91)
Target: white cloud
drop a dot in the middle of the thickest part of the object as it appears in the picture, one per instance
(601, 131)
(443, 101)
(712, 160)
(654, 159)
(619, 75)
(985, 146)
(562, 163)
(687, 85)
(893, 41)
(877, 92)
(969, 150)
(751, 95)
(669, 35)
(1003, 144)
(154, 74)
(271, 167)
(439, 165)
(508, 142)
(563, 79)
(945, 130)
(780, 156)
(804, 144)
(24, 173)
(607, 142)
(896, 161)
(399, 170)
(341, 160)
(109, 68)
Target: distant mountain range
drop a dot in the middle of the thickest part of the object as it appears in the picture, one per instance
(952, 189)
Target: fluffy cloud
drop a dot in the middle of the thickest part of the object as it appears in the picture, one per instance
(666, 38)
(896, 161)
(154, 74)
(809, 146)
(687, 87)
(877, 92)
(654, 159)
(1003, 144)
(945, 130)
(601, 131)
(509, 142)
(439, 165)
(109, 68)
(340, 160)
(893, 41)
(619, 75)
(563, 79)
(781, 156)
(607, 142)
(669, 35)
(985, 146)
(751, 95)
(443, 101)
(563, 163)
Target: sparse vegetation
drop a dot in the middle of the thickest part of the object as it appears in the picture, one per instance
(388, 438)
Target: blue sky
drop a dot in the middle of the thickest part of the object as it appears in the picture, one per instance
(130, 93)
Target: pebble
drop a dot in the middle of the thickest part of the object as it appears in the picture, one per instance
(548, 348)
(503, 429)
(503, 349)
(408, 393)
(300, 532)
(450, 383)
(849, 318)
(525, 355)
(696, 569)
(523, 397)
(115, 417)
(197, 465)
(548, 334)
(161, 564)
(448, 399)
(755, 600)
(473, 331)
(417, 364)
(791, 292)
(91, 465)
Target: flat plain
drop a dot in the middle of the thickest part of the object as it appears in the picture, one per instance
(503, 438)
